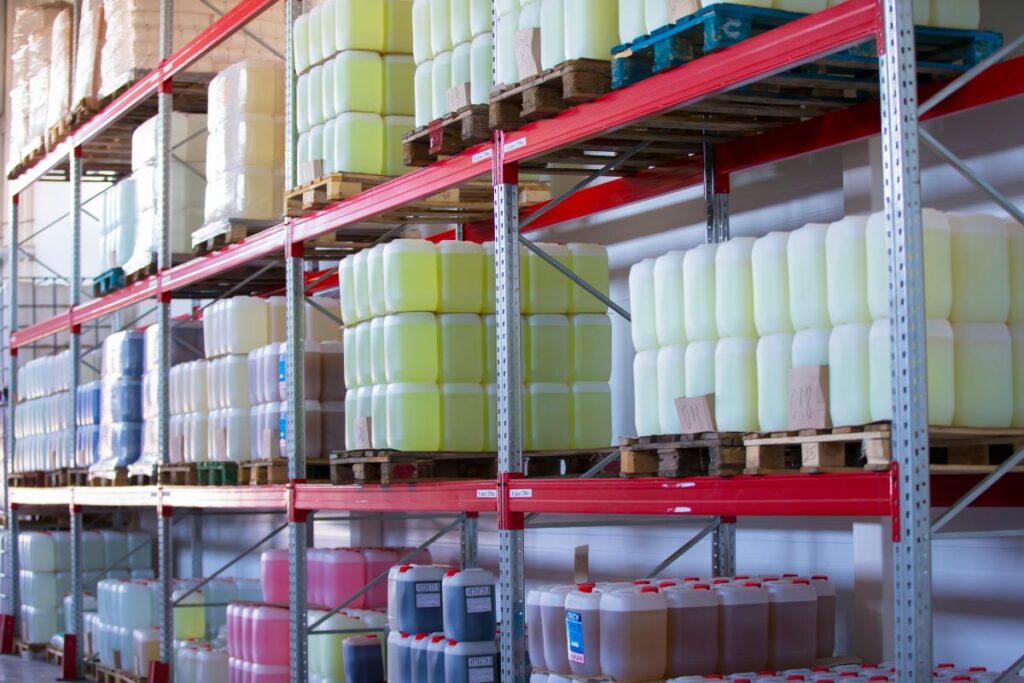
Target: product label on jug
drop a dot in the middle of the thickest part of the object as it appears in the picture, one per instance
(428, 594)
(481, 669)
(478, 599)
(574, 636)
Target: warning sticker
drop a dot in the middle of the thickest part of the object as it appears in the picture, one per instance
(574, 636)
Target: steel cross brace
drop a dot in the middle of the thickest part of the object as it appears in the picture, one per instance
(238, 558)
(1012, 671)
(976, 492)
(312, 628)
(713, 525)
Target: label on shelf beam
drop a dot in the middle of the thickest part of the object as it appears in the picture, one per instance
(483, 156)
(486, 493)
(514, 145)
(521, 493)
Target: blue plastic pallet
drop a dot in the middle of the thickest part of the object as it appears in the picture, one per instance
(941, 52)
(108, 281)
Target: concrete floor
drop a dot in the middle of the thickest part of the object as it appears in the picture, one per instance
(16, 670)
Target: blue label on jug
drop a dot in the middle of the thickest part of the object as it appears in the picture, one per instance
(574, 636)
(282, 369)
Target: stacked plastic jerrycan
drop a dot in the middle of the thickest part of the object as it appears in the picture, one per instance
(118, 217)
(452, 46)
(44, 580)
(121, 399)
(43, 421)
(754, 309)
(355, 86)
(245, 147)
(188, 168)
(232, 328)
(420, 350)
(186, 345)
(268, 387)
(87, 421)
(569, 29)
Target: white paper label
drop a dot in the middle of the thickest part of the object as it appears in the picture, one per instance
(478, 591)
(428, 594)
(483, 673)
(514, 145)
(486, 493)
(483, 156)
(478, 605)
(521, 493)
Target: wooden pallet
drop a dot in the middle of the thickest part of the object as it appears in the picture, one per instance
(219, 234)
(54, 656)
(682, 455)
(56, 133)
(446, 136)
(722, 25)
(108, 281)
(548, 93)
(326, 190)
(266, 472)
(184, 474)
(952, 449)
(33, 650)
(117, 476)
(27, 479)
(468, 203)
(151, 268)
(67, 477)
(108, 675)
(385, 466)
(218, 473)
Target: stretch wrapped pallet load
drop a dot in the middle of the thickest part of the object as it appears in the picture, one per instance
(187, 186)
(59, 88)
(818, 297)
(131, 43)
(356, 86)
(414, 355)
(245, 147)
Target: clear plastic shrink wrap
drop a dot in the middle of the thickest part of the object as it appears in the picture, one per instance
(59, 94)
(132, 42)
(245, 149)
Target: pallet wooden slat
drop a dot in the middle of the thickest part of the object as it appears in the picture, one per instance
(549, 93)
(675, 455)
(953, 449)
(266, 472)
(447, 136)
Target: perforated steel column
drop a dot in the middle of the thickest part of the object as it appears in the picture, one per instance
(11, 588)
(902, 186)
(165, 532)
(510, 449)
(77, 586)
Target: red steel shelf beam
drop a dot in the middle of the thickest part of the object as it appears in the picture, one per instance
(149, 85)
(852, 494)
(803, 40)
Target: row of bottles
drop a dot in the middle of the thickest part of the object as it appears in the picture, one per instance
(334, 574)
(428, 417)
(651, 630)
(640, 17)
(42, 419)
(443, 625)
(461, 348)
(569, 29)
(355, 142)
(412, 275)
(354, 93)
(469, 62)
(245, 147)
(732, 319)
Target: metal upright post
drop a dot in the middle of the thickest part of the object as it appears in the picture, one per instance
(902, 185)
(716, 202)
(77, 585)
(196, 547)
(468, 540)
(165, 532)
(295, 425)
(11, 570)
(510, 450)
(74, 362)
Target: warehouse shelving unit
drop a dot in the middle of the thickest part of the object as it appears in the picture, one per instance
(905, 495)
